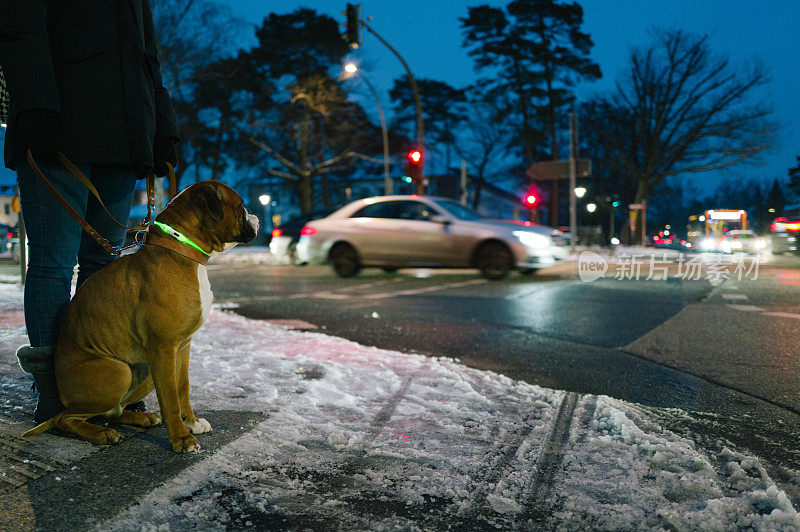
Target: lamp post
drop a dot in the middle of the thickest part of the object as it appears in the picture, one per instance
(266, 201)
(417, 102)
(350, 69)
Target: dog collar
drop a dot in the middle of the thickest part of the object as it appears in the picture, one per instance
(180, 237)
(155, 237)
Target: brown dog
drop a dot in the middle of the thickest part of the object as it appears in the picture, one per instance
(130, 325)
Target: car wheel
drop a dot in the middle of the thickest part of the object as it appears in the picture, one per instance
(528, 271)
(390, 269)
(494, 260)
(344, 260)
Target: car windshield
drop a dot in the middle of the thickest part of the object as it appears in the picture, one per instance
(458, 210)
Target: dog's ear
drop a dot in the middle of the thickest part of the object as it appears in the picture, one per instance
(207, 199)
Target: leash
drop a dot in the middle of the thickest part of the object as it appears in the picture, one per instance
(105, 244)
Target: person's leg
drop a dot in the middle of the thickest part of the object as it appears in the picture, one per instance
(115, 185)
(53, 240)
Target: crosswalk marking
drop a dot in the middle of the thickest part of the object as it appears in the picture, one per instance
(746, 308)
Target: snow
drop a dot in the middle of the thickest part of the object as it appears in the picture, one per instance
(357, 437)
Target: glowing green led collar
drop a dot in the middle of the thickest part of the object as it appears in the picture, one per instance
(180, 237)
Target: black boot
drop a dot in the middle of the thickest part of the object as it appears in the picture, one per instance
(138, 406)
(39, 361)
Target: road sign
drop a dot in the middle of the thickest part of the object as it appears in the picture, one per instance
(553, 170)
(636, 206)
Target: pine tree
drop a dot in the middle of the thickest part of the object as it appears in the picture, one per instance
(535, 53)
(794, 178)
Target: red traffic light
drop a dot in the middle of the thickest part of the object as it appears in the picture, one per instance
(415, 156)
(530, 200)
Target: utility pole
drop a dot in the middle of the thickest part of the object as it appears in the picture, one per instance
(420, 127)
(573, 148)
(463, 182)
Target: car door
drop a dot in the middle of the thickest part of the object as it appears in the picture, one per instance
(418, 239)
(372, 230)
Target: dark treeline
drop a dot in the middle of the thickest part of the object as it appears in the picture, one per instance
(282, 113)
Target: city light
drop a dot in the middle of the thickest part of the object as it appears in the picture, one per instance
(350, 68)
(591, 207)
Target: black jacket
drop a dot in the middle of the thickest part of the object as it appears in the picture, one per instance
(96, 63)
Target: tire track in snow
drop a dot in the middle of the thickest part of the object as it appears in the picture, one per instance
(498, 466)
(549, 462)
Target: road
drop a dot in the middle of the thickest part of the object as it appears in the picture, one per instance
(315, 431)
(728, 353)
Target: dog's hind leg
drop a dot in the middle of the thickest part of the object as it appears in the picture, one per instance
(138, 419)
(92, 386)
(141, 385)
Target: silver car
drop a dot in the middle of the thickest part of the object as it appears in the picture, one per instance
(393, 232)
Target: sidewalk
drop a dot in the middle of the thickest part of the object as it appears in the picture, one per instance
(356, 437)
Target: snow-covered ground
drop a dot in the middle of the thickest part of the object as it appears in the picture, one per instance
(363, 438)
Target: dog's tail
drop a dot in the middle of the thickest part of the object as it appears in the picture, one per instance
(47, 425)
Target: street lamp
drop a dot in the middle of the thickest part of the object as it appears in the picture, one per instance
(591, 207)
(351, 69)
(266, 201)
(580, 192)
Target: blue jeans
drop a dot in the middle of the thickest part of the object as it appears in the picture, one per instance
(57, 242)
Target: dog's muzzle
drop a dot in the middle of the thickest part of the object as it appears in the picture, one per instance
(249, 227)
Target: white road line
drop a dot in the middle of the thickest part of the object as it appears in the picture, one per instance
(427, 289)
(746, 308)
(331, 295)
(368, 285)
(732, 297)
(783, 315)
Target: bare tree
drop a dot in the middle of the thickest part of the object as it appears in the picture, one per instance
(680, 109)
(193, 35)
(484, 138)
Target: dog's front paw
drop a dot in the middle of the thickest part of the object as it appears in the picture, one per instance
(185, 444)
(198, 426)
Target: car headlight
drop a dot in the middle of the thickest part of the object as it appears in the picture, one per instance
(532, 240)
(708, 244)
(761, 243)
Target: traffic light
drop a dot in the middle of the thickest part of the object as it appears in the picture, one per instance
(352, 32)
(412, 170)
(531, 198)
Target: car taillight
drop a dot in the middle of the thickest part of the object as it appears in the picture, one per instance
(794, 227)
(773, 227)
(9, 235)
(308, 231)
(277, 232)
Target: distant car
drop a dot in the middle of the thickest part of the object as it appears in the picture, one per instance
(783, 233)
(393, 232)
(283, 245)
(743, 241)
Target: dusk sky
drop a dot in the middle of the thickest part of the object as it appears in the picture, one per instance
(427, 33)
